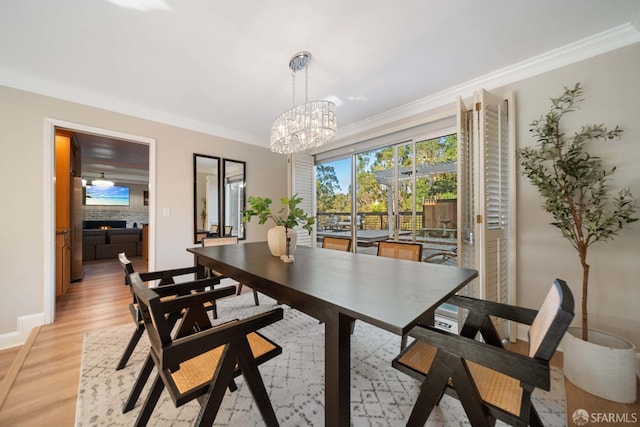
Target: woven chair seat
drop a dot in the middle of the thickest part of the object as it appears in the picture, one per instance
(199, 370)
(494, 387)
(497, 389)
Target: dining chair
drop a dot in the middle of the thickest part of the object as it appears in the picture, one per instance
(201, 361)
(219, 241)
(400, 250)
(213, 230)
(228, 229)
(337, 243)
(165, 277)
(490, 381)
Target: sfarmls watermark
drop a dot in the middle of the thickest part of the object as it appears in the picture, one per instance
(581, 417)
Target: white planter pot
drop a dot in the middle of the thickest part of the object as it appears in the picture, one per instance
(278, 243)
(604, 366)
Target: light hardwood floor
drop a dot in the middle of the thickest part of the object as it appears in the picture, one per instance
(45, 391)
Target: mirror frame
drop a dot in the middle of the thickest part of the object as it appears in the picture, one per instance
(198, 233)
(240, 229)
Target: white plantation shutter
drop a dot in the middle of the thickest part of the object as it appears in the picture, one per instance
(301, 169)
(466, 196)
(487, 200)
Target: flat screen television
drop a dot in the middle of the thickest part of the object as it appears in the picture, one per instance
(107, 196)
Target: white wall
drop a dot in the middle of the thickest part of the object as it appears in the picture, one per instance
(612, 96)
(22, 252)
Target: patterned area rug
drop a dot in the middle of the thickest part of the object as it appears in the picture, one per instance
(380, 395)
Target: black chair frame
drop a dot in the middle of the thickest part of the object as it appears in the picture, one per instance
(196, 336)
(165, 277)
(453, 352)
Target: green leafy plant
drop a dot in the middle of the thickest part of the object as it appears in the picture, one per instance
(573, 183)
(289, 216)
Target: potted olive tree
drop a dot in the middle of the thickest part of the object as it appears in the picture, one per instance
(573, 185)
(281, 238)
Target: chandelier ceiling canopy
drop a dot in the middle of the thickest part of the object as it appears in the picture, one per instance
(306, 125)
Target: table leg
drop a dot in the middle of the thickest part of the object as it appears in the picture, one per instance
(337, 375)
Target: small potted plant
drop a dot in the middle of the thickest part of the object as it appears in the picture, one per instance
(281, 238)
(573, 185)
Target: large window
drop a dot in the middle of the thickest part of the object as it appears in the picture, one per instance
(403, 191)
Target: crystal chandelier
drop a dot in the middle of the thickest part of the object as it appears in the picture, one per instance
(306, 125)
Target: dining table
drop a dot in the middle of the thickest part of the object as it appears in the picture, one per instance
(338, 288)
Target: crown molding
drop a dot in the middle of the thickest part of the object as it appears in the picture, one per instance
(589, 47)
(92, 99)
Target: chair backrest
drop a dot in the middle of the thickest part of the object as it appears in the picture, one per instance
(551, 322)
(126, 265)
(219, 241)
(400, 250)
(213, 229)
(227, 230)
(153, 316)
(337, 243)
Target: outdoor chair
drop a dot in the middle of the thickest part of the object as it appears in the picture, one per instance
(165, 277)
(400, 250)
(201, 361)
(444, 256)
(490, 381)
(219, 241)
(337, 243)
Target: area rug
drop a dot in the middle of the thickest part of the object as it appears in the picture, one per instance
(380, 395)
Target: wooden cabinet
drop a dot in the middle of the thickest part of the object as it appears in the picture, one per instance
(63, 261)
(68, 210)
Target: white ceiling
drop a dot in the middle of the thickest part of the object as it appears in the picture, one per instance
(222, 67)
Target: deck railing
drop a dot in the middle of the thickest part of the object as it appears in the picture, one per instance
(367, 220)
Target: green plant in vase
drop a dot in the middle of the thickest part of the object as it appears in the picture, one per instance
(289, 216)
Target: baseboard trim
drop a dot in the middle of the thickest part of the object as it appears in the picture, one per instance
(15, 367)
(25, 325)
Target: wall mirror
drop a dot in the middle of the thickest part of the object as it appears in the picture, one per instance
(234, 197)
(206, 196)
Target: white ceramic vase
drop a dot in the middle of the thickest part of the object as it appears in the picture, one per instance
(278, 242)
(604, 366)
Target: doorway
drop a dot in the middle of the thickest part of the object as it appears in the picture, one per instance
(51, 125)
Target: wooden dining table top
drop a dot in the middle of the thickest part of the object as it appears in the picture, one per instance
(389, 293)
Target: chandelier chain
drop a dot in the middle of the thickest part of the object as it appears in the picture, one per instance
(293, 80)
(306, 84)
